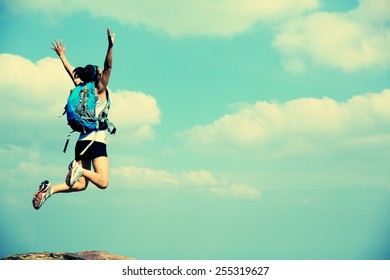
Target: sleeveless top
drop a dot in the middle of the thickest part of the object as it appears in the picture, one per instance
(100, 134)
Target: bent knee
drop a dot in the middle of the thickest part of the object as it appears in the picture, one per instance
(81, 185)
(104, 185)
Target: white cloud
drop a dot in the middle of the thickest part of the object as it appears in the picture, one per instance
(297, 124)
(138, 176)
(295, 65)
(35, 95)
(134, 114)
(134, 108)
(32, 90)
(200, 180)
(353, 40)
(11, 150)
(240, 190)
(26, 167)
(178, 18)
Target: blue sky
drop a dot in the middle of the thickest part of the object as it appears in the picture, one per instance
(246, 129)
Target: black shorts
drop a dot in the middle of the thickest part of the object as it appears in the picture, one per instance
(97, 149)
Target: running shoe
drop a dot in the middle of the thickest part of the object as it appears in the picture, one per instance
(44, 192)
(74, 174)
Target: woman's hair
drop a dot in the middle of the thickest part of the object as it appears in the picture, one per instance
(87, 74)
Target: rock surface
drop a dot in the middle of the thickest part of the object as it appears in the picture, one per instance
(86, 255)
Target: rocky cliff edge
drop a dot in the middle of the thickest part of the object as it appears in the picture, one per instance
(86, 255)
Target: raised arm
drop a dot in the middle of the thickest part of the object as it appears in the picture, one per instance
(107, 63)
(59, 48)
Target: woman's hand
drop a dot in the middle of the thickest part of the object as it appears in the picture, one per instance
(58, 47)
(110, 37)
(60, 50)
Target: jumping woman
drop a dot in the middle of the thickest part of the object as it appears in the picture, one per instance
(91, 145)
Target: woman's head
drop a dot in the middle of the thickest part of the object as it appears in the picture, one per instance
(89, 73)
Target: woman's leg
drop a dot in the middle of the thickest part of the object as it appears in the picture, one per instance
(46, 189)
(100, 177)
(80, 185)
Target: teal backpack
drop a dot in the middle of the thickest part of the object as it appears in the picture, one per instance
(80, 111)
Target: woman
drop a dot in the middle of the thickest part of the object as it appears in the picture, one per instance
(80, 172)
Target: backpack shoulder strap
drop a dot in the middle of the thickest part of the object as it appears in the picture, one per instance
(90, 86)
(104, 112)
(108, 96)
